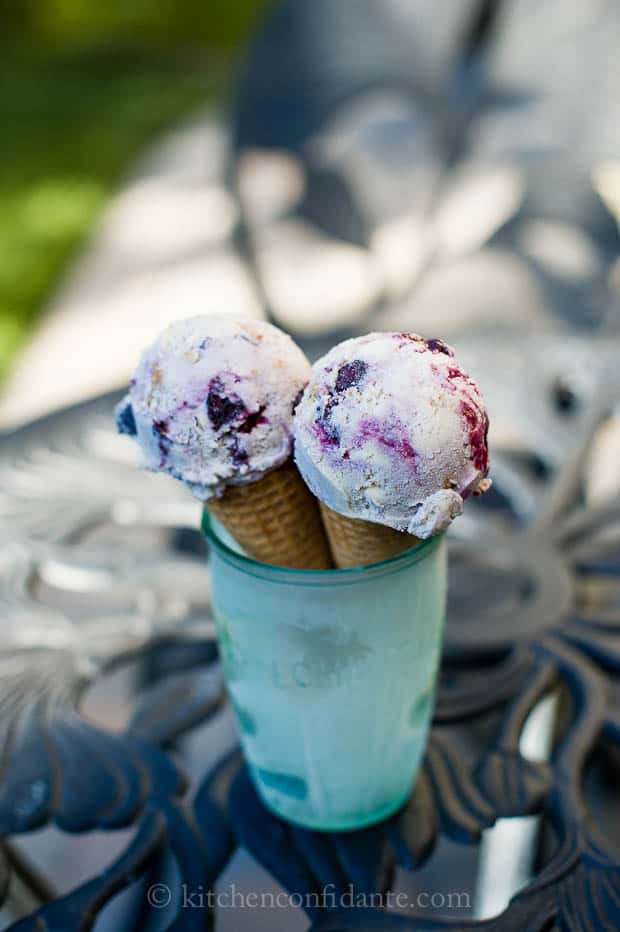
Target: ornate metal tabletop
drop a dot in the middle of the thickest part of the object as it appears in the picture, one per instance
(111, 689)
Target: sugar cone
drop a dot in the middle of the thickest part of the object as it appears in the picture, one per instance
(275, 520)
(360, 543)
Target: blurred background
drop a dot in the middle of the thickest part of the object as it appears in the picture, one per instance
(85, 89)
(337, 167)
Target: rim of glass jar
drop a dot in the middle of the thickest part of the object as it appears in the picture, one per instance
(287, 576)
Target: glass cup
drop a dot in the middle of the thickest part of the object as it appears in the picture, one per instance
(331, 674)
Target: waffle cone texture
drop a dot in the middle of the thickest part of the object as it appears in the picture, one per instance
(360, 543)
(276, 520)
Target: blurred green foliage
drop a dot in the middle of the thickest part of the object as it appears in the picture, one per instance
(73, 119)
(222, 24)
(71, 123)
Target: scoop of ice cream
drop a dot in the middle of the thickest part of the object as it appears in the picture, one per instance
(212, 401)
(391, 430)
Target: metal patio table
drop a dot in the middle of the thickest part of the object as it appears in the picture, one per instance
(121, 770)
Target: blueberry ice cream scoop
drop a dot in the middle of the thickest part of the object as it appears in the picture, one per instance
(391, 430)
(212, 401)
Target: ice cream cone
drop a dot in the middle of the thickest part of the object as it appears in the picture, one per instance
(390, 430)
(275, 520)
(360, 543)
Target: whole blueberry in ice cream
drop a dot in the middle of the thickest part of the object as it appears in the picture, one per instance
(212, 402)
(391, 430)
(125, 421)
(350, 374)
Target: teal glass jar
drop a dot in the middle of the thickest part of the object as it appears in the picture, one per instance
(331, 674)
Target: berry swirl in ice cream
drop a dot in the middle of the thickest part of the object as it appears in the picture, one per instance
(212, 401)
(391, 430)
